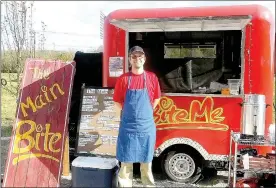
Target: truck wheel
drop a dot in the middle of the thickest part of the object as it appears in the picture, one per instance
(182, 167)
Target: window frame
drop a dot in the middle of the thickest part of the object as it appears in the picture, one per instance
(189, 46)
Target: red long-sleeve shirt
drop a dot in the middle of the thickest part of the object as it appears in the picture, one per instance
(137, 82)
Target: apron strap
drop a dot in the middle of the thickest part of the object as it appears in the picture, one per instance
(129, 80)
(145, 79)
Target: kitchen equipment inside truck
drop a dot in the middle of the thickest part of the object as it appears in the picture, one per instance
(190, 60)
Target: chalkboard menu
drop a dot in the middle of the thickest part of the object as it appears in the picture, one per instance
(98, 124)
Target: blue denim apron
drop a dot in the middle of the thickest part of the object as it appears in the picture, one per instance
(137, 132)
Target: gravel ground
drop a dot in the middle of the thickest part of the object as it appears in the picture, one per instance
(219, 180)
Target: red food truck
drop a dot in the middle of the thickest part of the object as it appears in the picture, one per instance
(216, 71)
(211, 62)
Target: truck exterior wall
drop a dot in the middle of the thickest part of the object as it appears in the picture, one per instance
(114, 45)
(258, 76)
(259, 62)
(206, 121)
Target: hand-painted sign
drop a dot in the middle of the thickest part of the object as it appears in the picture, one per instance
(197, 115)
(36, 148)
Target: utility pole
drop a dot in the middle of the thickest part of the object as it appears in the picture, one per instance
(102, 17)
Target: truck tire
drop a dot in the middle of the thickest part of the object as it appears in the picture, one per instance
(182, 167)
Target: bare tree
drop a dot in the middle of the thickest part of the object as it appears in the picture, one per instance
(18, 39)
(100, 48)
(96, 49)
(42, 38)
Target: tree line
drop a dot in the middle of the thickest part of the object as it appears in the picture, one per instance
(19, 41)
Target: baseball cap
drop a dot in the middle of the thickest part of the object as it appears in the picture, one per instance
(136, 49)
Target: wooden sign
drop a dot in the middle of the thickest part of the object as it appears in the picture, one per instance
(37, 143)
(99, 123)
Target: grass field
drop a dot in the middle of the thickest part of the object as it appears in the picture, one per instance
(8, 105)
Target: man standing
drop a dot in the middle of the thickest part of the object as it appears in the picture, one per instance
(136, 94)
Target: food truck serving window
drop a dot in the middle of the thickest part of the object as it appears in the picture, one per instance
(199, 54)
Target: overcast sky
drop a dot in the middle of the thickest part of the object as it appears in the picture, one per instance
(81, 20)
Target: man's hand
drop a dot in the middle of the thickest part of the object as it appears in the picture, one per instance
(155, 103)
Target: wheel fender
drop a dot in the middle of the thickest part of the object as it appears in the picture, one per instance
(193, 144)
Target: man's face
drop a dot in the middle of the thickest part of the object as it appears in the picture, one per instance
(137, 59)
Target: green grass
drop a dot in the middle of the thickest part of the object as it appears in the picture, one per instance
(6, 131)
(8, 101)
(9, 76)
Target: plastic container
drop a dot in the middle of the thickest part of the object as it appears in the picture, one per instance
(95, 172)
(234, 86)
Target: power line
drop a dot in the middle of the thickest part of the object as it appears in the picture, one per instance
(67, 33)
(72, 46)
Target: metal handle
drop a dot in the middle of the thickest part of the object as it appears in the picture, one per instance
(89, 169)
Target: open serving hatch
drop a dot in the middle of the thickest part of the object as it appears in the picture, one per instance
(182, 24)
(194, 54)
